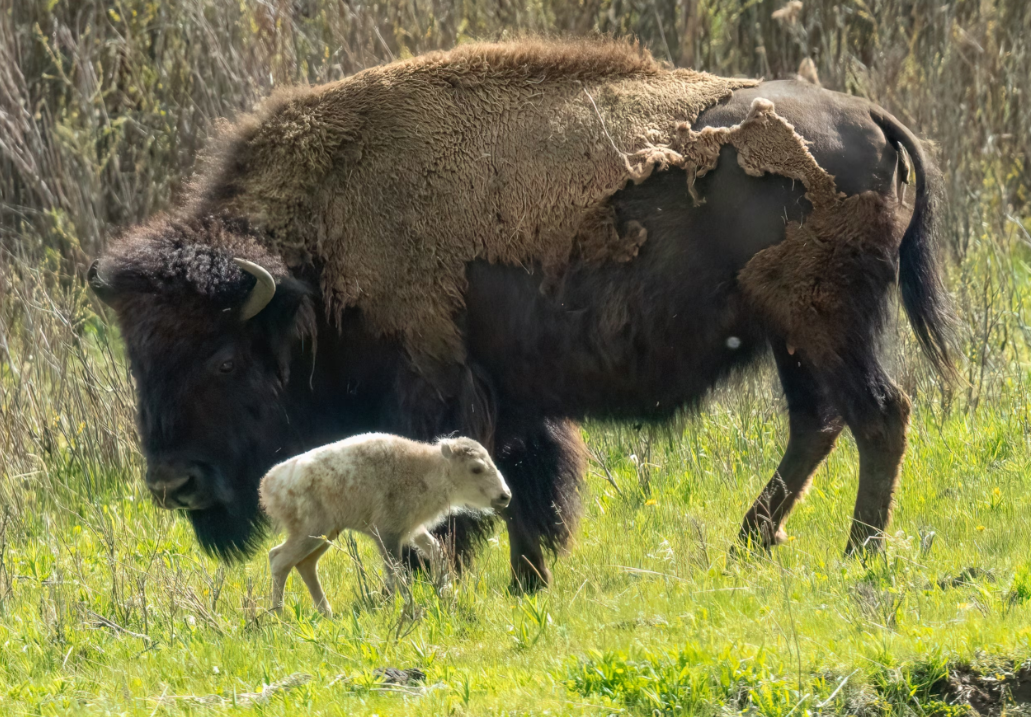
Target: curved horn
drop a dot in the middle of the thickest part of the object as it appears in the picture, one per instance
(262, 292)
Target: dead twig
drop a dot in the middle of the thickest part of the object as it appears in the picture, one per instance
(597, 457)
(101, 621)
(240, 699)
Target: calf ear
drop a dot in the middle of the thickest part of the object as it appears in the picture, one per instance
(445, 450)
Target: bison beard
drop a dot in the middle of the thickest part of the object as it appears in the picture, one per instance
(230, 532)
(734, 236)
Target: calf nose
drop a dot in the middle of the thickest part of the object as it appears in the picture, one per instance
(501, 501)
(175, 486)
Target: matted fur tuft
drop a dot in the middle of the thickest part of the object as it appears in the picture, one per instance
(188, 256)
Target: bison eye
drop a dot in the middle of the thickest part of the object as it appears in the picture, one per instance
(225, 367)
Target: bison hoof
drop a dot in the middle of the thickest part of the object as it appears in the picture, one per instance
(863, 547)
(527, 580)
(757, 539)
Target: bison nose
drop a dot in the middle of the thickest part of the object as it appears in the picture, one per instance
(176, 486)
(501, 501)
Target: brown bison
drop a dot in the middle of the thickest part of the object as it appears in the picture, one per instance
(504, 239)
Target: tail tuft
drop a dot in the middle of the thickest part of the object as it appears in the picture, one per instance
(924, 296)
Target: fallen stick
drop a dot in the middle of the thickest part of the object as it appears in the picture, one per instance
(241, 699)
(101, 621)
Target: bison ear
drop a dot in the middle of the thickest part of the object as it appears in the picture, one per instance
(104, 291)
(285, 308)
(445, 449)
(288, 318)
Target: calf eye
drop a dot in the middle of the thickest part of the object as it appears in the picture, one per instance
(226, 367)
(477, 470)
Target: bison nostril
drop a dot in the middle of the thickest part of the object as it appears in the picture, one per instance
(188, 487)
(501, 501)
(174, 488)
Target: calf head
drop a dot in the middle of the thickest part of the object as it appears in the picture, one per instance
(477, 482)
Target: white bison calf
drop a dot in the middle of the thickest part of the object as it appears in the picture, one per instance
(388, 487)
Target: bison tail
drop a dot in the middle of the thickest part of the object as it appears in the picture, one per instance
(924, 296)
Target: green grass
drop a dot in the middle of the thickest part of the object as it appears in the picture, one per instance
(649, 611)
(107, 606)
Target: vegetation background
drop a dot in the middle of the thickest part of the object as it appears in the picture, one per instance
(106, 605)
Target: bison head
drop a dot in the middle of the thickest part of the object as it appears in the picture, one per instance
(210, 322)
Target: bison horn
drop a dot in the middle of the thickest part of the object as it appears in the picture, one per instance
(263, 290)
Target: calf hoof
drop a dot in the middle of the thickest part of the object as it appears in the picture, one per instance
(443, 583)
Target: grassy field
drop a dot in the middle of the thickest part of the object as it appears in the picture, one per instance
(108, 607)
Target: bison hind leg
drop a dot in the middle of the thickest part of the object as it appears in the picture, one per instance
(825, 290)
(814, 426)
(877, 414)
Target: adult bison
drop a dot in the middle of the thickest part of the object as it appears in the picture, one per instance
(503, 239)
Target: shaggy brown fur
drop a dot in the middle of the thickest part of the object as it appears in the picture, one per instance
(504, 152)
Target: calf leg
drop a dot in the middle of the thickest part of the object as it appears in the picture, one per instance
(308, 570)
(814, 425)
(430, 547)
(391, 549)
(877, 413)
(543, 465)
(283, 558)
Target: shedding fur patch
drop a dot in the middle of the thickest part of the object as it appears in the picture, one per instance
(392, 180)
(815, 288)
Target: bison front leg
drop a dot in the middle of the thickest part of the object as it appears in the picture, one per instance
(544, 465)
(430, 547)
(458, 401)
(390, 547)
(814, 427)
(309, 572)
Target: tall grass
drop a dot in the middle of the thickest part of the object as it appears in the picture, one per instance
(105, 108)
